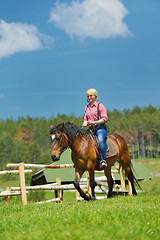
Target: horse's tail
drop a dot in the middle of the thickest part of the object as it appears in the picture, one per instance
(134, 178)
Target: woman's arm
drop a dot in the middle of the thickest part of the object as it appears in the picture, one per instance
(101, 121)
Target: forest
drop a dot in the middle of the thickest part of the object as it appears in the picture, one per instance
(28, 139)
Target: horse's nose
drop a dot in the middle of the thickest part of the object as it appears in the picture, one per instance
(54, 158)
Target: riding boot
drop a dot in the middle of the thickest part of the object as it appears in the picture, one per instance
(103, 163)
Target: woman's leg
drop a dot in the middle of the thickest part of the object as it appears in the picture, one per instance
(102, 135)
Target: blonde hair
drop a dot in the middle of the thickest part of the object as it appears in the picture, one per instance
(92, 91)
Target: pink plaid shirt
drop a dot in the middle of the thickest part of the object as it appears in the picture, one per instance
(91, 112)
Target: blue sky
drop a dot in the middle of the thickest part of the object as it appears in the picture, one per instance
(51, 52)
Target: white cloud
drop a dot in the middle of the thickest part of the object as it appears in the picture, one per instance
(19, 37)
(98, 19)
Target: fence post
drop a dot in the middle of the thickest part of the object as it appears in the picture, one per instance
(129, 188)
(22, 183)
(77, 195)
(59, 192)
(122, 176)
(7, 198)
(88, 184)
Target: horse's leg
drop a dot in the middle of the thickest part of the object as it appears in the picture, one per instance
(78, 175)
(92, 184)
(126, 165)
(108, 174)
(130, 176)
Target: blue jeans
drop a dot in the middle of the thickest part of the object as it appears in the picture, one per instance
(101, 132)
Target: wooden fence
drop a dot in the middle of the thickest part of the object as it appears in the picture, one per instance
(23, 189)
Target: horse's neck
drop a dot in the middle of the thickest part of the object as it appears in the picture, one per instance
(79, 145)
(74, 146)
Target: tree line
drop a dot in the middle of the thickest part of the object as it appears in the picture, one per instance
(28, 140)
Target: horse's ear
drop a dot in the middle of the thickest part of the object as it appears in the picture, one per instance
(51, 127)
(61, 127)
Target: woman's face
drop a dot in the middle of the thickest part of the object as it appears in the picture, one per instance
(91, 98)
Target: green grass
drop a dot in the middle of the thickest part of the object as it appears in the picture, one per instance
(151, 186)
(13, 180)
(153, 164)
(117, 218)
(147, 160)
(154, 168)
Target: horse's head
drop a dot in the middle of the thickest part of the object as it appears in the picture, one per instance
(59, 141)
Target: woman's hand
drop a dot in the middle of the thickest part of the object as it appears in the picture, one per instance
(84, 124)
(91, 123)
(88, 123)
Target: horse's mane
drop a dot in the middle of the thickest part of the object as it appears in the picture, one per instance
(71, 129)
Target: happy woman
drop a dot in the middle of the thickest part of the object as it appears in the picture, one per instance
(95, 117)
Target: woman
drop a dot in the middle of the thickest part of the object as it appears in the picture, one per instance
(95, 117)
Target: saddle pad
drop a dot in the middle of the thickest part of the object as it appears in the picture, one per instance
(112, 149)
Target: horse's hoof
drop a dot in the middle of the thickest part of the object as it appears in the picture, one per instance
(110, 196)
(87, 198)
(134, 194)
(93, 198)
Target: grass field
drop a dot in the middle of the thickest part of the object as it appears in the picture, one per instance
(119, 218)
(116, 218)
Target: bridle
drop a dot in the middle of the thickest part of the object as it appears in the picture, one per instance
(63, 136)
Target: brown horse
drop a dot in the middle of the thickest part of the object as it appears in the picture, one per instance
(84, 155)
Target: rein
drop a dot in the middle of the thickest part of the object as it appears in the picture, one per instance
(70, 142)
(66, 135)
(63, 149)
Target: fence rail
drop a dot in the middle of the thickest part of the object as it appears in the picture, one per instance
(28, 165)
(84, 182)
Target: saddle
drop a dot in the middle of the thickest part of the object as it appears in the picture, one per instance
(112, 147)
